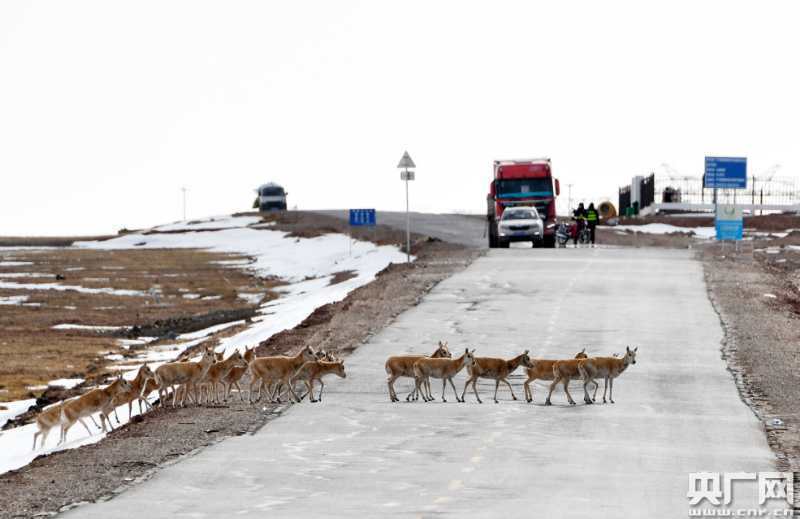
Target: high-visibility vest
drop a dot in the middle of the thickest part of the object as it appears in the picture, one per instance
(591, 215)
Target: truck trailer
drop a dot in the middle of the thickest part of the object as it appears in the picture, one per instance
(522, 182)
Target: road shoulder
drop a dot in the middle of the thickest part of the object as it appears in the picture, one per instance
(761, 326)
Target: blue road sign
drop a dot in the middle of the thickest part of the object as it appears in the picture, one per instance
(729, 230)
(725, 173)
(362, 217)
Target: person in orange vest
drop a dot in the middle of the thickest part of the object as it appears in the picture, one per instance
(592, 219)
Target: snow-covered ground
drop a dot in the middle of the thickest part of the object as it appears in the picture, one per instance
(13, 300)
(14, 409)
(57, 286)
(88, 327)
(212, 222)
(306, 265)
(663, 228)
(15, 263)
(66, 383)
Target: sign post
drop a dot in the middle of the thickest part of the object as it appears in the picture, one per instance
(405, 164)
(726, 173)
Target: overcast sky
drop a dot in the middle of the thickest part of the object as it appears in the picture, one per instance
(108, 108)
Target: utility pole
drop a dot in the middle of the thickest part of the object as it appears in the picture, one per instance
(184, 202)
(405, 164)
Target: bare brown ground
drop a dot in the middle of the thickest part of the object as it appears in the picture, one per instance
(136, 450)
(34, 353)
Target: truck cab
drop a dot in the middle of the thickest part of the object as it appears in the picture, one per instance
(271, 197)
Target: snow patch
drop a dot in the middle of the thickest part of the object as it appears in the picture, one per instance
(663, 228)
(14, 409)
(66, 383)
(13, 300)
(88, 327)
(55, 286)
(214, 222)
(25, 275)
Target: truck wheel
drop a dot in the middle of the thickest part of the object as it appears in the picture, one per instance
(549, 242)
(492, 237)
(503, 244)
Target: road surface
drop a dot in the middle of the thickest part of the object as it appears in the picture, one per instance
(466, 230)
(358, 455)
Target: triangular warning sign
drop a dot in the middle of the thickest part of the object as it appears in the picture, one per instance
(406, 162)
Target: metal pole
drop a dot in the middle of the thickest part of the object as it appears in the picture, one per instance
(408, 225)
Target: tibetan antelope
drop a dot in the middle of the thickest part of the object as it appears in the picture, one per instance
(235, 375)
(315, 370)
(278, 370)
(216, 375)
(403, 366)
(46, 420)
(186, 374)
(443, 368)
(97, 400)
(607, 368)
(495, 369)
(136, 392)
(542, 369)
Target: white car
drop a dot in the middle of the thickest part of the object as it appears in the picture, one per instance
(521, 223)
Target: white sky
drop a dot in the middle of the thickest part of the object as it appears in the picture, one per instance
(108, 108)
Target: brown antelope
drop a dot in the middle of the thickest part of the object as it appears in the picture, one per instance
(445, 369)
(235, 375)
(187, 374)
(608, 368)
(217, 372)
(403, 366)
(542, 369)
(315, 370)
(97, 400)
(138, 385)
(266, 370)
(46, 420)
(495, 369)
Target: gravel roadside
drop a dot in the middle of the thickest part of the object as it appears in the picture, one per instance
(133, 452)
(756, 307)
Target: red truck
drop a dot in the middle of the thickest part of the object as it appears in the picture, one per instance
(527, 182)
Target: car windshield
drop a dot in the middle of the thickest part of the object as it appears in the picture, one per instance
(520, 214)
(272, 191)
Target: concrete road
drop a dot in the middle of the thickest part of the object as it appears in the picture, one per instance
(467, 230)
(358, 455)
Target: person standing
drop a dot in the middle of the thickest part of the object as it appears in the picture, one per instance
(579, 215)
(592, 218)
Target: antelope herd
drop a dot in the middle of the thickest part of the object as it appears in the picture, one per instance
(440, 364)
(191, 381)
(278, 376)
